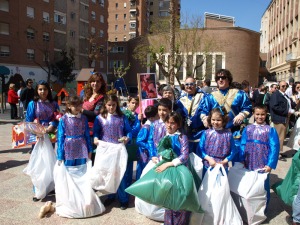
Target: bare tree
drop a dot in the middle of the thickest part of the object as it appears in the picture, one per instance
(179, 44)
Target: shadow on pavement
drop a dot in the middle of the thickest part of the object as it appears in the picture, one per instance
(16, 150)
(11, 163)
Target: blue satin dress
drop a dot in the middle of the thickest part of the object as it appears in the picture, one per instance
(259, 148)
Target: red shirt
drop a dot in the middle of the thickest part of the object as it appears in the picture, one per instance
(12, 97)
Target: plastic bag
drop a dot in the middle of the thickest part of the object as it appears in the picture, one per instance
(151, 211)
(288, 188)
(74, 196)
(40, 167)
(248, 192)
(109, 167)
(173, 188)
(196, 168)
(214, 195)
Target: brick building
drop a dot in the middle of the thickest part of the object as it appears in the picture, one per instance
(280, 36)
(33, 33)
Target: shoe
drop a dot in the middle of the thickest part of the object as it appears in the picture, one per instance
(35, 199)
(124, 206)
(108, 201)
(283, 159)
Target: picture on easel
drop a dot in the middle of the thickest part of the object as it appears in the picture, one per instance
(147, 85)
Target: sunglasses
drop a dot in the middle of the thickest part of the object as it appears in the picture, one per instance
(30, 82)
(189, 84)
(283, 86)
(221, 77)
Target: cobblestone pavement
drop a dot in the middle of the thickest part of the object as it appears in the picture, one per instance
(17, 206)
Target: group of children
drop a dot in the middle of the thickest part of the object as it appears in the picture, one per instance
(259, 146)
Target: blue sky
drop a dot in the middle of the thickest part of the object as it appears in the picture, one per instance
(247, 13)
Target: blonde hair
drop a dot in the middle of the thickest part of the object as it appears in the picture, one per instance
(11, 85)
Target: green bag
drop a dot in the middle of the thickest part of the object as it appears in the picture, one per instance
(288, 188)
(173, 188)
(132, 150)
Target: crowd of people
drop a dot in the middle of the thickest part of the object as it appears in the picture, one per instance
(213, 124)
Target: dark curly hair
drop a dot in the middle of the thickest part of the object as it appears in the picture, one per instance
(225, 73)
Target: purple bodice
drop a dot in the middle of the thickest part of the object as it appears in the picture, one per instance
(44, 111)
(159, 131)
(112, 128)
(257, 146)
(217, 144)
(75, 144)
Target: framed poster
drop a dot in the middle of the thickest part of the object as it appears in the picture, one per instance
(147, 85)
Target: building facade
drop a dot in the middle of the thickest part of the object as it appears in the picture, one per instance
(280, 38)
(33, 34)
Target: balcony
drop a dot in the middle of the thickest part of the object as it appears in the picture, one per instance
(132, 7)
(291, 57)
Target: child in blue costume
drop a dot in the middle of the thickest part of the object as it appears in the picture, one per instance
(158, 128)
(180, 146)
(42, 110)
(73, 138)
(260, 145)
(216, 143)
(111, 126)
(135, 124)
(142, 140)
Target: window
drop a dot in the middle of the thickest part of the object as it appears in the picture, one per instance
(116, 39)
(94, 1)
(46, 17)
(4, 51)
(101, 33)
(116, 27)
(30, 33)
(117, 5)
(46, 0)
(4, 28)
(58, 18)
(30, 12)
(151, 3)
(124, 4)
(72, 33)
(101, 50)
(93, 30)
(151, 13)
(117, 16)
(117, 49)
(73, 15)
(46, 36)
(124, 26)
(132, 25)
(125, 15)
(132, 36)
(73, 1)
(4, 5)
(164, 13)
(116, 63)
(46, 57)
(101, 64)
(30, 54)
(101, 2)
(101, 19)
(93, 14)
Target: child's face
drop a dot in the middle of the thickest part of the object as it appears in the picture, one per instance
(171, 126)
(260, 116)
(163, 112)
(75, 109)
(42, 92)
(133, 104)
(216, 121)
(168, 94)
(111, 107)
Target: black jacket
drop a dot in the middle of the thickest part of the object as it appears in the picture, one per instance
(279, 107)
(26, 96)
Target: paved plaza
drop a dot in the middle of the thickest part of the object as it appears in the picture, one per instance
(17, 206)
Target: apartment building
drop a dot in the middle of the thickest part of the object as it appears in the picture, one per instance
(34, 32)
(127, 19)
(280, 33)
